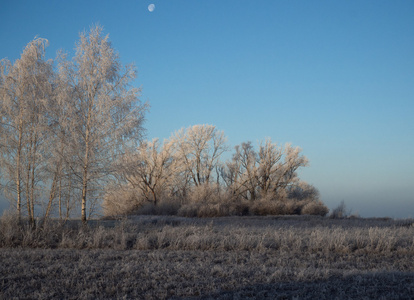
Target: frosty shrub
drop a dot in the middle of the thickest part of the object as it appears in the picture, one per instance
(121, 201)
(239, 207)
(209, 204)
(209, 210)
(339, 212)
(206, 209)
(315, 208)
(204, 193)
(15, 232)
(268, 206)
(165, 207)
(303, 191)
(287, 207)
(294, 207)
(211, 201)
(188, 210)
(9, 228)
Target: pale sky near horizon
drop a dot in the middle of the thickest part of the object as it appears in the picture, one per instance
(335, 78)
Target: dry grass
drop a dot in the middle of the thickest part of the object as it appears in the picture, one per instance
(157, 257)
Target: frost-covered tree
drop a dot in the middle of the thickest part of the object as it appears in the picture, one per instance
(198, 149)
(180, 168)
(270, 165)
(150, 169)
(104, 114)
(268, 172)
(26, 91)
(241, 174)
(259, 182)
(278, 168)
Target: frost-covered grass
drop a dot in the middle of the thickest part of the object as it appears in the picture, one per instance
(157, 257)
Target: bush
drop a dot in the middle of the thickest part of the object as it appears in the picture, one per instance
(294, 207)
(220, 207)
(204, 210)
(15, 232)
(163, 208)
(315, 208)
(121, 201)
(267, 206)
(303, 191)
(215, 209)
(205, 193)
(10, 229)
(239, 207)
(213, 201)
(339, 212)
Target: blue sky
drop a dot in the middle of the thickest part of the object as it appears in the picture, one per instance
(333, 77)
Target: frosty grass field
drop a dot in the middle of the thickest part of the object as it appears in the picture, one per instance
(160, 257)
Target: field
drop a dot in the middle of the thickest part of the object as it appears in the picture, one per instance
(159, 257)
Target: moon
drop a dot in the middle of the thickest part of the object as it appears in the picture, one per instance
(151, 7)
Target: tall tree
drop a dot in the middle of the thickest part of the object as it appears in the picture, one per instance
(26, 89)
(104, 114)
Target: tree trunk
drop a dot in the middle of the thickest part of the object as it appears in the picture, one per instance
(86, 158)
(84, 189)
(32, 183)
(29, 207)
(18, 182)
(60, 197)
(52, 195)
(68, 198)
(155, 197)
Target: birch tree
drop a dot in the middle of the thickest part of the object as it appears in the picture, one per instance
(61, 163)
(26, 90)
(104, 113)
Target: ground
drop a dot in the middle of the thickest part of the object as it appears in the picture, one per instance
(151, 257)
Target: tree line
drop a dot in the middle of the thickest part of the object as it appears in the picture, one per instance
(186, 175)
(72, 134)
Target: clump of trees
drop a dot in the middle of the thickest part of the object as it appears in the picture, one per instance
(71, 134)
(63, 125)
(185, 175)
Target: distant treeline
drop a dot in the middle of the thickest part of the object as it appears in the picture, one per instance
(184, 175)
